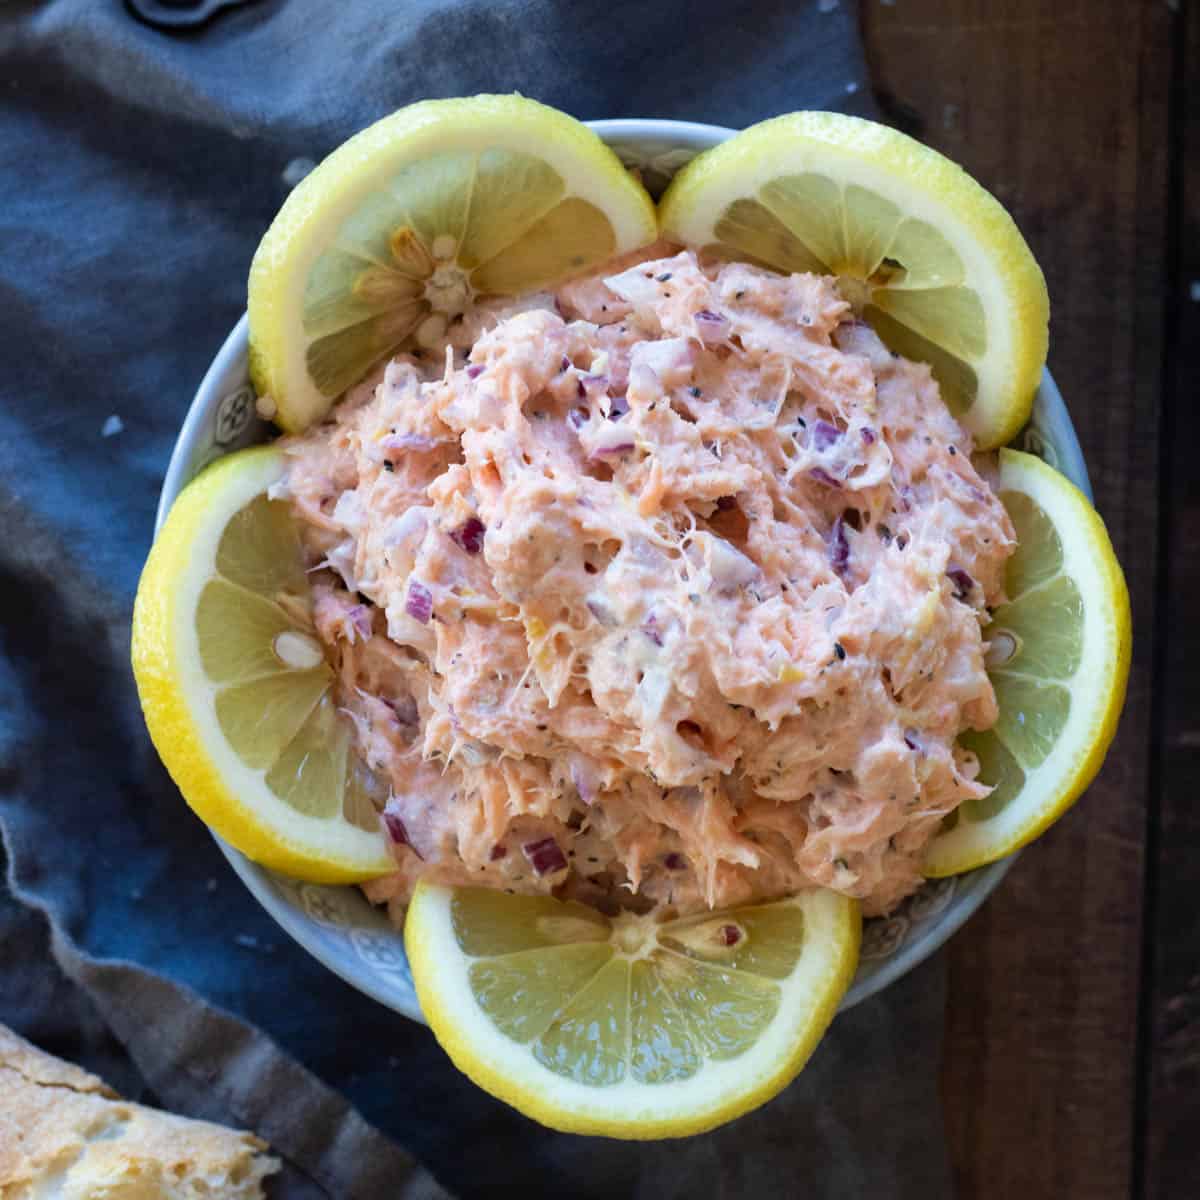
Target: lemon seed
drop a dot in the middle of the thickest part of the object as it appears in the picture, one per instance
(297, 651)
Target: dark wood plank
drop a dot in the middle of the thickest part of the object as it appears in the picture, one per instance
(1171, 1132)
(1061, 110)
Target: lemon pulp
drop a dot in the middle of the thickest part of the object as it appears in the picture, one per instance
(628, 1025)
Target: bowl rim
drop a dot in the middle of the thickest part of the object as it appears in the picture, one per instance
(230, 360)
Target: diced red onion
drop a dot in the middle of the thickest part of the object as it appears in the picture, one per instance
(584, 779)
(601, 611)
(360, 620)
(839, 547)
(474, 371)
(595, 382)
(711, 326)
(544, 856)
(823, 477)
(618, 406)
(499, 850)
(469, 535)
(674, 862)
(729, 935)
(580, 390)
(397, 832)
(566, 362)
(419, 602)
(651, 630)
(912, 739)
(868, 435)
(825, 435)
(963, 583)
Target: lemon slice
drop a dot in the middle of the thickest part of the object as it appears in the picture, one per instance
(1058, 659)
(235, 687)
(929, 258)
(626, 1027)
(401, 228)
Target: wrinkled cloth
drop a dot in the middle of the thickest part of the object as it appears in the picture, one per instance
(138, 168)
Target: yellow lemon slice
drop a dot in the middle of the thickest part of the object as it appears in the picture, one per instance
(1059, 661)
(928, 257)
(628, 1027)
(234, 685)
(404, 226)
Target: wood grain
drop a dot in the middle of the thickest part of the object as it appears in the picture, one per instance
(1062, 111)
(1171, 1111)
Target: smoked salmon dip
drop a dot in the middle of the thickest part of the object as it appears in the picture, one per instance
(668, 589)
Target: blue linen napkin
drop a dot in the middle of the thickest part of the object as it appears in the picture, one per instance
(138, 167)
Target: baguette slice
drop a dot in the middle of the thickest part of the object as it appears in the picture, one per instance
(65, 1135)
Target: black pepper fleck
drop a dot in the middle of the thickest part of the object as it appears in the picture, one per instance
(840, 651)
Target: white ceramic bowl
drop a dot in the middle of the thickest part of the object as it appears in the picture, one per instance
(336, 924)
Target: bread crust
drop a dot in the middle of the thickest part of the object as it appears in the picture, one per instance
(63, 1128)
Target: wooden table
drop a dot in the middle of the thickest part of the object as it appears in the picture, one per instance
(1072, 1061)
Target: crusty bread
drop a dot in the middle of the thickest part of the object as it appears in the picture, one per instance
(65, 1135)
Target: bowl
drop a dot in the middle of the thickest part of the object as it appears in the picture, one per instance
(336, 924)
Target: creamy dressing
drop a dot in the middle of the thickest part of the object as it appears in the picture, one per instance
(666, 589)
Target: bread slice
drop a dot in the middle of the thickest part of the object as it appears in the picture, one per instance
(65, 1135)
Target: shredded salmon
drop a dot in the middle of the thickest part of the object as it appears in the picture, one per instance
(668, 589)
